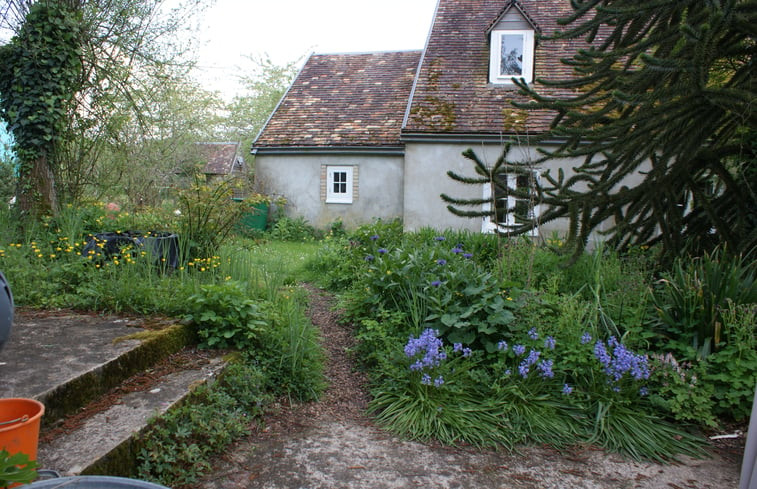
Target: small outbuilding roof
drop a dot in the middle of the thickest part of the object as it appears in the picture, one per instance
(220, 158)
(344, 100)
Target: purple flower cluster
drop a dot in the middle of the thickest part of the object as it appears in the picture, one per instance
(545, 368)
(549, 343)
(531, 359)
(618, 360)
(585, 338)
(533, 334)
(441, 261)
(430, 346)
(519, 350)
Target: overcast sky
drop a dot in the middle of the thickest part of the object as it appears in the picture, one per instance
(288, 30)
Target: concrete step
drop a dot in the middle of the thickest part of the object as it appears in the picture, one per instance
(66, 360)
(101, 379)
(106, 443)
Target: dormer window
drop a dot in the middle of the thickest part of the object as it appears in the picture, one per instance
(512, 56)
(511, 43)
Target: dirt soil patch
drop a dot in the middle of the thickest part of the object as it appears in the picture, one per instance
(333, 444)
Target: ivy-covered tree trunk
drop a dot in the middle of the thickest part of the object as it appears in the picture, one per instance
(39, 69)
(36, 194)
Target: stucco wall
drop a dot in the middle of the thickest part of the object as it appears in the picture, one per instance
(298, 179)
(426, 166)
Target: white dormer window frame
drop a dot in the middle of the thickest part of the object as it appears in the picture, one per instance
(518, 42)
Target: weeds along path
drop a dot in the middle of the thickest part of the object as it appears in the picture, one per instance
(332, 444)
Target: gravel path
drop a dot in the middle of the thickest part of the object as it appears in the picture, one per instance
(333, 444)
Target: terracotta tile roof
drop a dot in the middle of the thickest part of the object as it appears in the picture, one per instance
(344, 100)
(219, 157)
(453, 94)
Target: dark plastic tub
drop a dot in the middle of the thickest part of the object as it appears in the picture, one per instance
(93, 482)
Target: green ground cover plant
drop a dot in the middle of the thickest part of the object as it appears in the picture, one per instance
(481, 340)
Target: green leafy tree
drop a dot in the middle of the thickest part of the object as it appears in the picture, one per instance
(264, 85)
(666, 95)
(97, 60)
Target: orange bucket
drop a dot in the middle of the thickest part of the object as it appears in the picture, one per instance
(19, 425)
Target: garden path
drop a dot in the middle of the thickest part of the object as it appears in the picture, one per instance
(333, 444)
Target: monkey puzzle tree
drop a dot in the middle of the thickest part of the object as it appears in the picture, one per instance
(665, 94)
(667, 90)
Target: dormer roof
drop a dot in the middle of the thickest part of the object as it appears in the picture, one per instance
(513, 5)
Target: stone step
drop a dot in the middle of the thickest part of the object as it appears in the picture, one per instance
(65, 360)
(106, 443)
(101, 379)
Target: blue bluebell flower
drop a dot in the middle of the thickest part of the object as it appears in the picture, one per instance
(467, 352)
(436, 283)
(643, 392)
(467, 255)
(440, 238)
(368, 257)
(545, 366)
(519, 350)
(441, 261)
(523, 370)
(426, 379)
(382, 250)
(456, 250)
(457, 347)
(566, 389)
(374, 237)
(502, 345)
(533, 334)
(585, 338)
(549, 343)
(438, 381)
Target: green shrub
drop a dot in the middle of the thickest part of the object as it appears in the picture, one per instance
(688, 302)
(208, 215)
(732, 369)
(226, 317)
(292, 229)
